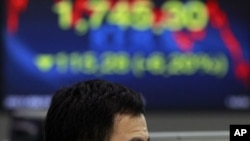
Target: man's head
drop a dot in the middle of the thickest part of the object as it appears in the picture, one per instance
(96, 110)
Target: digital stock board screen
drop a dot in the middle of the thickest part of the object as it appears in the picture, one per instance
(189, 54)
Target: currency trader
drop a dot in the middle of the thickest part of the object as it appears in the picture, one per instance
(96, 110)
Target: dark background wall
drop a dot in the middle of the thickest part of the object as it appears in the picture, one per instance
(1, 49)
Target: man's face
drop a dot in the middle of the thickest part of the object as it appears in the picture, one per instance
(130, 128)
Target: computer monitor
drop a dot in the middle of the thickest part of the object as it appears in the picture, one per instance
(181, 55)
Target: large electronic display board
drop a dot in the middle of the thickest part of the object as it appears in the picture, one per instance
(192, 54)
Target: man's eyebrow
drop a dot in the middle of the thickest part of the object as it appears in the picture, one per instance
(138, 139)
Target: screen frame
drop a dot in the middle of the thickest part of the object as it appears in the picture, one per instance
(3, 54)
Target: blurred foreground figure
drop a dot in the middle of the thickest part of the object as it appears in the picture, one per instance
(96, 110)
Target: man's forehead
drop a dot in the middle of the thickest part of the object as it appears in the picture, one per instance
(133, 127)
(128, 119)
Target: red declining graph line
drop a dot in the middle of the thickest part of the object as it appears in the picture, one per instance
(159, 16)
(80, 9)
(183, 40)
(186, 40)
(14, 9)
(219, 20)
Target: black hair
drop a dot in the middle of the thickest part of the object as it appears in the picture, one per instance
(86, 111)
